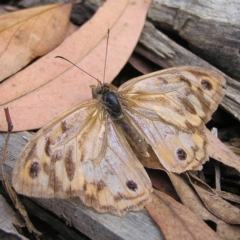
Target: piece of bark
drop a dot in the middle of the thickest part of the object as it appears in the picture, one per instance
(7, 219)
(211, 28)
(137, 225)
(157, 47)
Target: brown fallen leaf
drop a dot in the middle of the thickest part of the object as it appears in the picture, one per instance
(190, 199)
(177, 221)
(30, 33)
(217, 150)
(161, 182)
(229, 196)
(227, 231)
(214, 203)
(51, 86)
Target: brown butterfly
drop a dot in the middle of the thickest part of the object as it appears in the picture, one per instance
(92, 150)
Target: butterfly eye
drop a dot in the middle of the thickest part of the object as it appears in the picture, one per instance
(131, 185)
(34, 170)
(206, 84)
(181, 154)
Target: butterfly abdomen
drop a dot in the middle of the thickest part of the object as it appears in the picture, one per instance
(134, 138)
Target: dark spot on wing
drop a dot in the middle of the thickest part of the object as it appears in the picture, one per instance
(83, 155)
(57, 184)
(64, 126)
(190, 127)
(47, 147)
(46, 168)
(162, 80)
(118, 197)
(70, 165)
(181, 154)
(54, 181)
(32, 152)
(131, 185)
(34, 170)
(184, 79)
(206, 84)
(85, 186)
(57, 156)
(187, 105)
(90, 199)
(100, 185)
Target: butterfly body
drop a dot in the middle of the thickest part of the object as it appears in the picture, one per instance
(109, 100)
(93, 150)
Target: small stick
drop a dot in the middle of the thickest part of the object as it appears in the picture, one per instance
(217, 167)
(18, 204)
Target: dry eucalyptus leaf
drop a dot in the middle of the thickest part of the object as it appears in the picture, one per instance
(28, 34)
(228, 231)
(190, 199)
(214, 203)
(161, 182)
(51, 86)
(177, 221)
(219, 207)
(229, 196)
(217, 150)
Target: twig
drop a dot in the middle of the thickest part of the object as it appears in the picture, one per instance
(217, 167)
(18, 204)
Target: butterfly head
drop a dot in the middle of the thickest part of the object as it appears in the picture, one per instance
(99, 90)
(109, 100)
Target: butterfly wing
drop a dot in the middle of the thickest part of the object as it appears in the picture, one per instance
(169, 108)
(81, 153)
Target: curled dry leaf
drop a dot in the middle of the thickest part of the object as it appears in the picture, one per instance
(214, 203)
(190, 198)
(177, 221)
(218, 206)
(229, 196)
(51, 86)
(217, 150)
(27, 34)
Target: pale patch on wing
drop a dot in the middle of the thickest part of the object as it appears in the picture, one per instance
(169, 108)
(81, 153)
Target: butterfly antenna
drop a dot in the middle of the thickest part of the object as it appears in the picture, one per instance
(79, 68)
(105, 64)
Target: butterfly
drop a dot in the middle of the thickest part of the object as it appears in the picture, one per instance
(93, 150)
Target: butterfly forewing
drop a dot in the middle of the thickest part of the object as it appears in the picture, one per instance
(81, 153)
